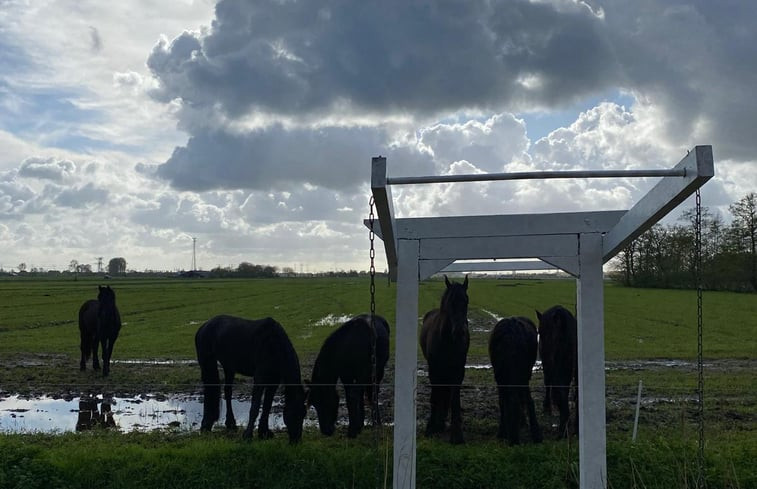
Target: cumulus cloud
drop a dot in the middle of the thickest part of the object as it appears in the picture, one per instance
(47, 168)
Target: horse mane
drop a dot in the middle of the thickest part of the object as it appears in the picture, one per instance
(449, 313)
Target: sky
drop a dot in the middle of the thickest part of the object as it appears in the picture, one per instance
(128, 128)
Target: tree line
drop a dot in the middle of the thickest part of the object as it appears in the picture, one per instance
(665, 256)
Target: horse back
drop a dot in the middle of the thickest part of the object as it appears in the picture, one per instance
(88, 315)
(347, 351)
(558, 342)
(247, 346)
(512, 350)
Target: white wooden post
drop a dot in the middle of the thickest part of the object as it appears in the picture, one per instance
(592, 443)
(406, 364)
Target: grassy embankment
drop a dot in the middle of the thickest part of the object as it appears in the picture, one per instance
(39, 353)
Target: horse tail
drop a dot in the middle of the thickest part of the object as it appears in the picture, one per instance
(207, 360)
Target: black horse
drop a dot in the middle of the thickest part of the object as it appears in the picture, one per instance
(512, 350)
(346, 356)
(559, 357)
(99, 325)
(257, 348)
(444, 340)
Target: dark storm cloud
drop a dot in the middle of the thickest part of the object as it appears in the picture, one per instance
(691, 62)
(384, 57)
(335, 158)
(696, 61)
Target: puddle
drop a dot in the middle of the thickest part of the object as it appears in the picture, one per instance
(332, 320)
(143, 413)
(155, 362)
(480, 366)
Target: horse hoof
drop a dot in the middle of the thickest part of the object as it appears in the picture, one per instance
(231, 427)
(456, 438)
(265, 435)
(247, 435)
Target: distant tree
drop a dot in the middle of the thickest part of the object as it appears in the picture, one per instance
(84, 268)
(22, 267)
(74, 265)
(745, 225)
(116, 266)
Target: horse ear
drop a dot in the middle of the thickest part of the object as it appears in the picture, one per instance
(446, 281)
(465, 282)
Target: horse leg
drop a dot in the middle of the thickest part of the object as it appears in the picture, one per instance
(456, 416)
(514, 409)
(562, 404)
(95, 352)
(502, 431)
(354, 394)
(107, 347)
(533, 422)
(84, 347)
(375, 412)
(257, 393)
(228, 385)
(264, 433)
(438, 410)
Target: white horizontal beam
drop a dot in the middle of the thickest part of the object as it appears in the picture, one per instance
(507, 225)
(497, 266)
(499, 247)
(535, 175)
(661, 199)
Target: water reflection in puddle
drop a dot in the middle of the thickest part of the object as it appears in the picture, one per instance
(143, 413)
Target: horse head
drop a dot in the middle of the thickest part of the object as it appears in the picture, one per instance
(454, 303)
(106, 296)
(325, 400)
(294, 411)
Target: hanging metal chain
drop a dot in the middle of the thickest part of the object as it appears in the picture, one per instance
(372, 272)
(374, 375)
(700, 363)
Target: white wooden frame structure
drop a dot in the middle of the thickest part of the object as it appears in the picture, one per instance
(578, 243)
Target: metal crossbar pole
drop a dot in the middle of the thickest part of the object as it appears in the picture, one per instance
(536, 175)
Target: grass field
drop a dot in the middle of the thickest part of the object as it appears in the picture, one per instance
(644, 329)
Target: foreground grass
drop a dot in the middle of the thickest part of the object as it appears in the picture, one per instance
(170, 460)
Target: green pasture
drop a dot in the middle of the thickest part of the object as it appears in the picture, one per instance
(161, 316)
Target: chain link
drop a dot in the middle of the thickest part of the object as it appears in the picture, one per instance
(374, 376)
(700, 363)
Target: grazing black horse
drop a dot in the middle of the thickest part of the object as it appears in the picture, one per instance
(559, 358)
(512, 350)
(346, 355)
(444, 340)
(257, 348)
(99, 324)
